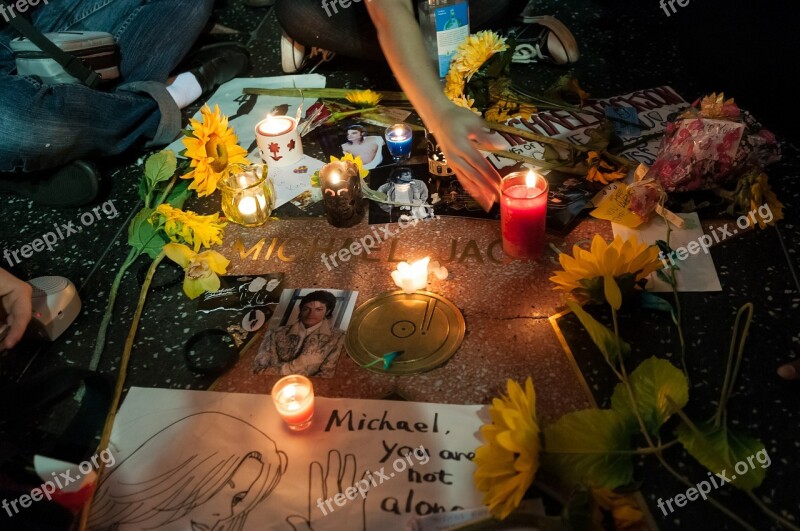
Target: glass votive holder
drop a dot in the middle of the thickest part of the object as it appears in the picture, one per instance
(398, 141)
(294, 399)
(248, 195)
(523, 211)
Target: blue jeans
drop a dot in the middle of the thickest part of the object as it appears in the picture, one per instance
(45, 126)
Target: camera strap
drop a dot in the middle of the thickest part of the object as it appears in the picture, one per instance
(71, 64)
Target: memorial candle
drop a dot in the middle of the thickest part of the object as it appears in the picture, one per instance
(294, 399)
(523, 209)
(412, 277)
(398, 140)
(248, 195)
(279, 141)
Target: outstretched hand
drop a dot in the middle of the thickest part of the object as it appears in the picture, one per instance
(337, 478)
(460, 134)
(15, 296)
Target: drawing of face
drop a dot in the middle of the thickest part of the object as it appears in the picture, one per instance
(354, 136)
(226, 502)
(312, 313)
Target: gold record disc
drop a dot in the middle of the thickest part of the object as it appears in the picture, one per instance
(426, 327)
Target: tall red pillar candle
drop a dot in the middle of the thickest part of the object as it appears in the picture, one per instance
(523, 209)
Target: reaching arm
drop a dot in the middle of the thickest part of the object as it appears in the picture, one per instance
(459, 132)
(15, 299)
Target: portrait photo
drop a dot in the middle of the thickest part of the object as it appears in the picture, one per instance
(405, 185)
(306, 333)
(358, 138)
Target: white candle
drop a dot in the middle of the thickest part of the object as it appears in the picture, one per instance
(412, 277)
(279, 141)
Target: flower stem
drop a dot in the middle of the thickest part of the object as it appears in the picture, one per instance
(730, 514)
(100, 342)
(732, 371)
(769, 512)
(121, 377)
(678, 317)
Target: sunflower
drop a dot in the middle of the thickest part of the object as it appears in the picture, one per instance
(363, 99)
(475, 51)
(201, 269)
(466, 103)
(212, 148)
(508, 461)
(602, 273)
(188, 227)
(454, 84)
(623, 508)
(503, 110)
(348, 157)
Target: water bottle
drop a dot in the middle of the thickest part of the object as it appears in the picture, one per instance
(444, 25)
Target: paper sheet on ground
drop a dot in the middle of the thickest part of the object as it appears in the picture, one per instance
(245, 111)
(697, 272)
(159, 434)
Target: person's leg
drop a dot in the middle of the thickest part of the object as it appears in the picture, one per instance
(153, 35)
(48, 126)
(349, 32)
(73, 121)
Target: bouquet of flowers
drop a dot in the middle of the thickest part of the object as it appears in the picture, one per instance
(710, 144)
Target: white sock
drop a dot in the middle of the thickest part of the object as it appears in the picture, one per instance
(185, 90)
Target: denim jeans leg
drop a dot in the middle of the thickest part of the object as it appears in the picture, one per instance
(153, 35)
(73, 121)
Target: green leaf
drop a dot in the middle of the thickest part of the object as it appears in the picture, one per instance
(653, 302)
(179, 194)
(143, 237)
(601, 336)
(653, 381)
(720, 449)
(581, 449)
(160, 167)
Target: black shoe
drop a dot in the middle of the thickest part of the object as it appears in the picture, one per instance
(76, 184)
(216, 64)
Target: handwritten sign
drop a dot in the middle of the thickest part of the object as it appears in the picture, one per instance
(652, 107)
(201, 459)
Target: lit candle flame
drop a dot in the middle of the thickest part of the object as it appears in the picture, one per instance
(290, 392)
(247, 206)
(530, 179)
(335, 177)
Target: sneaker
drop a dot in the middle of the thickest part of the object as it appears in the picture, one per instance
(74, 185)
(294, 56)
(554, 42)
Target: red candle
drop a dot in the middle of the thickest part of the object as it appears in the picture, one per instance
(523, 208)
(294, 399)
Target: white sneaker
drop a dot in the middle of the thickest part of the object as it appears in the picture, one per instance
(294, 57)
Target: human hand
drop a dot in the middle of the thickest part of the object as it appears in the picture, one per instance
(16, 307)
(460, 134)
(325, 484)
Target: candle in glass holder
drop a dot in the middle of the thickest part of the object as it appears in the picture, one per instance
(412, 277)
(279, 141)
(294, 399)
(248, 195)
(398, 141)
(340, 183)
(523, 209)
